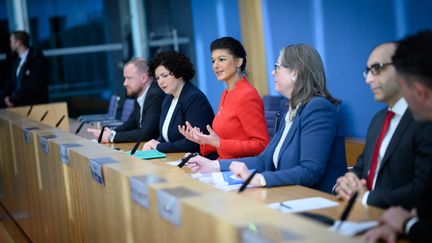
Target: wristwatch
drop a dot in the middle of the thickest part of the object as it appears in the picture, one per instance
(111, 137)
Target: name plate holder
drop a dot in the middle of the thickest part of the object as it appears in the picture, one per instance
(139, 188)
(64, 151)
(26, 133)
(96, 168)
(265, 233)
(169, 200)
(43, 140)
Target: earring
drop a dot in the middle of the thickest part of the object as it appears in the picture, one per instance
(293, 80)
(238, 70)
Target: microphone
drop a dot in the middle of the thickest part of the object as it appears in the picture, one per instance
(30, 110)
(44, 115)
(186, 159)
(79, 127)
(347, 210)
(101, 134)
(134, 149)
(60, 121)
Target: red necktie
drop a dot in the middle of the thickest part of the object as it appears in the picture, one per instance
(375, 155)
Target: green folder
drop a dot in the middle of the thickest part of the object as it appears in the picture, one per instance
(148, 154)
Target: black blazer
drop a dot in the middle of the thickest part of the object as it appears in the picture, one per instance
(192, 106)
(30, 86)
(130, 131)
(405, 165)
(421, 231)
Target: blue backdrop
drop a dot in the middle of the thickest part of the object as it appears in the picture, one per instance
(344, 32)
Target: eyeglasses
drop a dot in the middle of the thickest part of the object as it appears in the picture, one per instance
(375, 68)
(277, 66)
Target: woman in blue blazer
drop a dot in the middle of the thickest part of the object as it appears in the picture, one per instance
(309, 147)
(184, 102)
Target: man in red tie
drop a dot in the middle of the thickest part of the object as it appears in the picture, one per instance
(413, 63)
(393, 167)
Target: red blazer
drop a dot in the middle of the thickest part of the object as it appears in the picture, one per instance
(239, 123)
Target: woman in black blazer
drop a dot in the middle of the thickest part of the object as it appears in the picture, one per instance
(184, 102)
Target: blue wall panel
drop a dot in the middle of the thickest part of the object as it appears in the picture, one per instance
(211, 20)
(344, 32)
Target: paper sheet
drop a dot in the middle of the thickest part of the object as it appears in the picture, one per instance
(349, 228)
(304, 204)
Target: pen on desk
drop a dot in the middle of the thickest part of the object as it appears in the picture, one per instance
(347, 210)
(246, 182)
(285, 206)
(186, 159)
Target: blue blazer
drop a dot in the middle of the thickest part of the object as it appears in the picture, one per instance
(313, 153)
(193, 107)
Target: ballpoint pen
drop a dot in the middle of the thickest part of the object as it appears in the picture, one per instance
(186, 159)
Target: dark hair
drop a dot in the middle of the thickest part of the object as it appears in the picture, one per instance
(233, 46)
(22, 36)
(414, 57)
(311, 79)
(178, 64)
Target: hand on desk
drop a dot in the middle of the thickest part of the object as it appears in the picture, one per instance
(194, 134)
(391, 224)
(348, 184)
(95, 133)
(241, 170)
(203, 165)
(382, 232)
(152, 144)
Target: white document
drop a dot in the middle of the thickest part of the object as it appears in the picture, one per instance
(350, 228)
(217, 180)
(304, 204)
(173, 163)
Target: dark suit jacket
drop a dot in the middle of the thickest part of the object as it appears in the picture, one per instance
(421, 231)
(192, 106)
(130, 131)
(313, 153)
(30, 86)
(405, 165)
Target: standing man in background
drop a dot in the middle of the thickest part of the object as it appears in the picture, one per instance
(144, 120)
(28, 79)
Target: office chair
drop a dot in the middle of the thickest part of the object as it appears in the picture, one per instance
(110, 115)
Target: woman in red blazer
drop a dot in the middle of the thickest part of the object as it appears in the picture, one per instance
(239, 128)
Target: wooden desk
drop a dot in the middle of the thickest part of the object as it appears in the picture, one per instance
(55, 202)
(280, 194)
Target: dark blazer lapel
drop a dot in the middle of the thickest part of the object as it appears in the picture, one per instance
(182, 98)
(368, 151)
(402, 126)
(149, 95)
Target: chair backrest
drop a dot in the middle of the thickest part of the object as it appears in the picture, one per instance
(274, 106)
(128, 106)
(113, 106)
